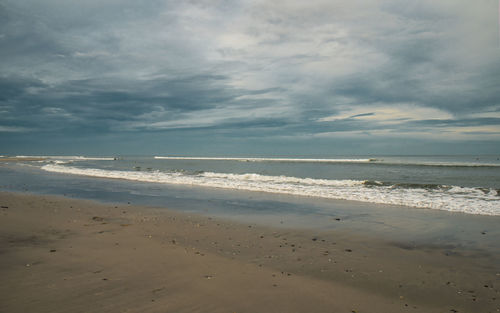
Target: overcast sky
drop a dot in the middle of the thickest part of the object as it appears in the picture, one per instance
(249, 77)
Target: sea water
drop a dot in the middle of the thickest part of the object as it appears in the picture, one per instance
(467, 184)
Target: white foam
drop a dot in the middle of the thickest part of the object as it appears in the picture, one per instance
(60, 162)
(82, 158)
(346, 160)
(442, 164)
(450, 198)
(66, 157)
(268, 159)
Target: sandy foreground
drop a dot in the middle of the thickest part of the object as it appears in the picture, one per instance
(65, 255)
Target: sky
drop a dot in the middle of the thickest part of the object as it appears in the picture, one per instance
(240, 77)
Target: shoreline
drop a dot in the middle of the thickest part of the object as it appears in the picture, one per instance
(172, 262)
(467, 200)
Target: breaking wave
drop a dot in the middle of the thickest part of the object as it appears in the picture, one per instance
(66, 158)
(470, 200)
(269, 159)
(338, 160)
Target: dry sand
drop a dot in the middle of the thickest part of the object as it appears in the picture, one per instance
(66, 255)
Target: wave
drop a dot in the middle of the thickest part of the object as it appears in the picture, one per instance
(450, 198)
(82, 158)
(66, 157)
(269, 159)
(441, 164)
(338, 160)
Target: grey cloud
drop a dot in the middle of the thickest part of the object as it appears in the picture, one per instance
(100, 68)
(102, 105)
(466, 122)
(363, 114)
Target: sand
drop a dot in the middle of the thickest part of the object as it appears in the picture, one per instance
(66, 255)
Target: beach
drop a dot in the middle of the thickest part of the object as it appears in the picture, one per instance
(67, 255)
(249, 156)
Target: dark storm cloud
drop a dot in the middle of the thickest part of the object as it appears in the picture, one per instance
(99, 105)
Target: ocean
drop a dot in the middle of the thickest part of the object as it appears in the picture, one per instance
(465, 184)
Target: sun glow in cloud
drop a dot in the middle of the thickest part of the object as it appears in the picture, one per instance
(409, 121)
(388, 114)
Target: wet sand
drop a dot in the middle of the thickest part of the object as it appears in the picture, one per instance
(65, 255)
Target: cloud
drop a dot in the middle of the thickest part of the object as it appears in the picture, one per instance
(250, 68)
(388, 114)
(14, 129)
